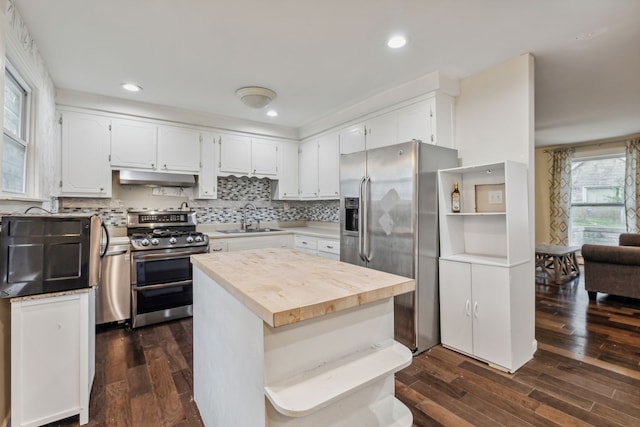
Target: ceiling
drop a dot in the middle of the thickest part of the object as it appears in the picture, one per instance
(322, 56)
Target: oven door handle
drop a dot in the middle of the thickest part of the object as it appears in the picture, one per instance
(162, 286)
(166, 255)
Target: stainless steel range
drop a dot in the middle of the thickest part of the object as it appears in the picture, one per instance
(161, 273)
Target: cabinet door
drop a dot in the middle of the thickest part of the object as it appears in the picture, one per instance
(260, 242)
(381, 131)
(85, 155)
(208, 178)
(414, 122)
(235, 155)
(352, 139)
(178, 149)
(456, 306)
(491, 314)
(287, 184)
(133, 144)
(329, 166)
(264, 157)
(309, 169)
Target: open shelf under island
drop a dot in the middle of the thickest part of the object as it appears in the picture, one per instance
(285, 338)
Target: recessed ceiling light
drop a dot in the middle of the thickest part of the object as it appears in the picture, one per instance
(396, 42)
(272, 113)
(131, 87)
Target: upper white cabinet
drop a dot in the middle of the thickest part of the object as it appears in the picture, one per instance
(352, 139)
(329, 166)
(486, 295)
(286, 186)
(208, 177)
(320, 168)
(141, 145)
(133, 144)
(245, 156)
(178, 149)
(85, 155)
(429, 120)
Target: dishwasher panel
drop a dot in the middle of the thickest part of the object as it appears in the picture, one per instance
(113, 299)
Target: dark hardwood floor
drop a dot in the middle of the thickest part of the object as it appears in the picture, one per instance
(586, 372)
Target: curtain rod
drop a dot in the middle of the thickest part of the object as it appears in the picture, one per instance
(596, 142)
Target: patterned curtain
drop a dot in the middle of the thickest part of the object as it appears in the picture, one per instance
(560, 177)
(632, 186)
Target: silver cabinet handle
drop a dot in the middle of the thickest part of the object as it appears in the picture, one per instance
(216, 249)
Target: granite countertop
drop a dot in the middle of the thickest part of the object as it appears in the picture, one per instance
(284, 286)
(51, 294)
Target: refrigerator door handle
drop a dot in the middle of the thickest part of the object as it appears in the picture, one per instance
(361, 208)
(367, 187)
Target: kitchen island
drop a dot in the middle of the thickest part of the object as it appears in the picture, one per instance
(281, 337)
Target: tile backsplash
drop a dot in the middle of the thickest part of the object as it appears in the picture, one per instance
(233, 194)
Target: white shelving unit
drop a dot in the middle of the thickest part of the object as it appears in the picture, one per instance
(487, 300)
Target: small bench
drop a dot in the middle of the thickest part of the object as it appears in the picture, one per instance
(557, 263)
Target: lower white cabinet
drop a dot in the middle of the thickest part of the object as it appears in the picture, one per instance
(52, 358)
(327, 248)
(244, 243)
(483, 312)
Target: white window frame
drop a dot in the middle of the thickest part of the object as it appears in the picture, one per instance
(26, 139)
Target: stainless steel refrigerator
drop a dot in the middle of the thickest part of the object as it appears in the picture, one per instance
(389, 222)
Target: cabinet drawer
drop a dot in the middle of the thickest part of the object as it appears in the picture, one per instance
(329, 246)
(218, 245)
(306, 243)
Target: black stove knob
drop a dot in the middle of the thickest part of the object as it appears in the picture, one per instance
(172, 240)
(189, 239)
(155, 242)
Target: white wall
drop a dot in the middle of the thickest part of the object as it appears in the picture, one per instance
(494, 114)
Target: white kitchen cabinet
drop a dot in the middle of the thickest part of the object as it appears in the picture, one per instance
(251, 242)
(85, 155)
(320, 168)
(133, 144)
(381, 131)
(208, 176)
(245, 156)
(264, 157)
(329, 166)
(52, 358)
(309, 170)
(178, 149)
(327, 248)
(352, 139)
(415, 122)
(147, 146)
(286, 185)
(486, 298)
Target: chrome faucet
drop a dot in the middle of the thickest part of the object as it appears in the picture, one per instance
(246, 222)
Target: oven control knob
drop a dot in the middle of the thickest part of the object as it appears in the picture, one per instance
(144, 242)
(189, 239)
(172, 240)
(155, 242)
(198, 238)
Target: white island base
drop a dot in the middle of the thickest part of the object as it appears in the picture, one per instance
(331, 370)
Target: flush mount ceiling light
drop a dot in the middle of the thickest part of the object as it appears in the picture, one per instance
(396, 42)
(131, 87)
(256, 97)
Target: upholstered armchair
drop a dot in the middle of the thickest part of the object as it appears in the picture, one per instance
(613, 270)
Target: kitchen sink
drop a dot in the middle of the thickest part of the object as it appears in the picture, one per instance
(249, 231)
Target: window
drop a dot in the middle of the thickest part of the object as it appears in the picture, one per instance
(597, 200)
(15, 142)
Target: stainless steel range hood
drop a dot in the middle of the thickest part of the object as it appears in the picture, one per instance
(158, 179)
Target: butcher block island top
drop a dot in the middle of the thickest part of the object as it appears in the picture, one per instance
(284, 286)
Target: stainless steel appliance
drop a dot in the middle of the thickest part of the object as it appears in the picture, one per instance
(113, 296)
(389, 222)
(48, 253)
(161, 273)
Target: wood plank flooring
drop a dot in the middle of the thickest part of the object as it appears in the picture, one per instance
(586, 372)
